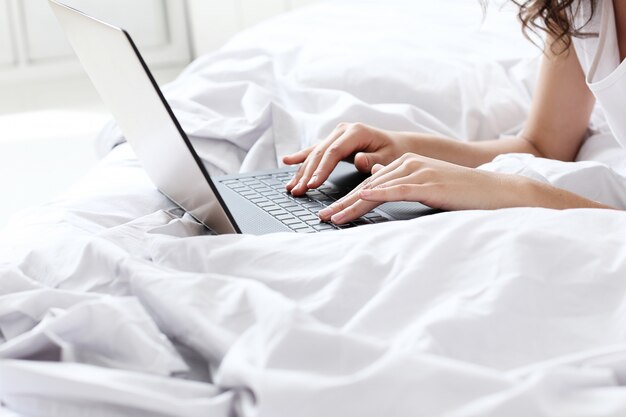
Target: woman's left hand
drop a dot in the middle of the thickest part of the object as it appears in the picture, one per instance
(437, 184)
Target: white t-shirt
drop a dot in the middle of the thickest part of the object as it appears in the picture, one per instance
(600, 60)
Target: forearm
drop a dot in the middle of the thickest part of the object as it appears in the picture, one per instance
(469, 154)
(519, 191)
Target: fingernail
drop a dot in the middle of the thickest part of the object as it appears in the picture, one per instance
(312, 180)
(337, 217)
(298, 187)
(325, 212)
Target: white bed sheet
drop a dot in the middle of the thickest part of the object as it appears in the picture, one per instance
(112, 302)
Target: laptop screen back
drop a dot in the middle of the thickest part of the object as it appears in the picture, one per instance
(126, 86)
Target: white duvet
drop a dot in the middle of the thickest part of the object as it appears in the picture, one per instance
(112, 302)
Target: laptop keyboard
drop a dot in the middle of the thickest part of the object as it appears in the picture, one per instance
(298, 213)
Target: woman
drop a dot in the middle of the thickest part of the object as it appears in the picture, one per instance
(583, 62)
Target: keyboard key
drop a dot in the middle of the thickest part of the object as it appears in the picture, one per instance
(273, 207)
(307, 230)
(304, 229)
(313, 222)
(265, 203)
(291, 221)
(289, 206)
(323, 226)
(334, 193)
(315, 209)
(278, 212)
(311, 205)
(379, 219)
(300, 213)
(299, 225)
(283, 217)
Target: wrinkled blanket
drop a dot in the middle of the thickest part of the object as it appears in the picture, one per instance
(114, 302)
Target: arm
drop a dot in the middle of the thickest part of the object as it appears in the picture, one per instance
(448, 186)
(555, 129)
(441, 172)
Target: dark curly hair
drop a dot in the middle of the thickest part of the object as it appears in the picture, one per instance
(555, 17)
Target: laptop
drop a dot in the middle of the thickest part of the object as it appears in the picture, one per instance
(252, 203)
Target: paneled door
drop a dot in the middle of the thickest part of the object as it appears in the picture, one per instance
(7, 56)
(32, 45)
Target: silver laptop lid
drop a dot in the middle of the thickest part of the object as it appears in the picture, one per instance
(127, 87)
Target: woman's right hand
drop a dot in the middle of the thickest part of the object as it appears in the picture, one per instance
(368, 145)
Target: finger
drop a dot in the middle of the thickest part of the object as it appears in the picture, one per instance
(299, 183)
(341, 204)
(296, 177)
(304, 182)
(376, 168)
(354, 211)
(338, 206)
(365, 161)
(293, 159)
(395, 192)
(298, 157)
(387, 173)
(321, 167)
(378, 178)
(356, 138)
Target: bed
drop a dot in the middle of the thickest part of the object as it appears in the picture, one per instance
(115, 302)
